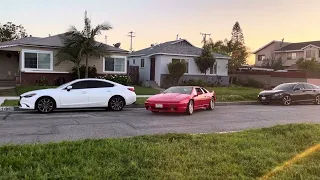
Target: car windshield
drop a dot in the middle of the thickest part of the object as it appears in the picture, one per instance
(285, 87)
(180, 90)
(62, 85)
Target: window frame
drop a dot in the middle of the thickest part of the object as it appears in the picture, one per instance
(142, 60)
(113, 72)
(311, 50)
(88, 84)
(188, 63)
(261, 59)
(23, 51)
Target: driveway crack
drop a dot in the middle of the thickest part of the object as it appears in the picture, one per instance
(6, 116)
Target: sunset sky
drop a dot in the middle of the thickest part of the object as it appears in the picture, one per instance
(156, 21)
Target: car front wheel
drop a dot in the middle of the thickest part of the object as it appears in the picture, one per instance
(286, 100)
(116, 103)
(317, 100)
(190, 108)
(45, 105)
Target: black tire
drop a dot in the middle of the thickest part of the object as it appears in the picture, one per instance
(45, 105)
(264, 103)
(287, 100)
(116, 103)
(211, 105)
(317, 100)
(190, 108)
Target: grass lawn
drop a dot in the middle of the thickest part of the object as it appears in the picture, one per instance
(229, 94)
(10, 103)
(243, 155)
(145, 91)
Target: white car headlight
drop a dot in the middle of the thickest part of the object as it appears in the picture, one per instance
(29, 95)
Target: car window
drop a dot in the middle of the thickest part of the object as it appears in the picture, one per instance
(204, 90)
(80, 85)
(199, 91)
(99, 84)
(180, 90)
(286, 87)
(308, 86)
(300, 86)
(315, 87)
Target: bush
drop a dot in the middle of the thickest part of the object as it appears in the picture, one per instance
(92, 73)
(192, 82)
(43, 81)
(176, 71)
(121, 79)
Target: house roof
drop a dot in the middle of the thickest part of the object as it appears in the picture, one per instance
(177, 47)
(51, 41)
(265, 46)
(299, 46)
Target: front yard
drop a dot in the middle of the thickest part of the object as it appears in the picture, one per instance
(243, 155)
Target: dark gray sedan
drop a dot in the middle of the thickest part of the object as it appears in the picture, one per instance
(289, 93)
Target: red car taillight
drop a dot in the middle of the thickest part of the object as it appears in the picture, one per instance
(131, 89)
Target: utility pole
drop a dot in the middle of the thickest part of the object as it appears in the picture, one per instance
(131, 36)
(204, 40)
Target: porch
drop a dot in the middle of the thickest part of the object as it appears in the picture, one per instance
(9, 68)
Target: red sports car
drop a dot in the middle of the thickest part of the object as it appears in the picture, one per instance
(182, 99)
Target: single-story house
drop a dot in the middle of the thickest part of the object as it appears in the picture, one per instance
(29, 59)
(153, 62)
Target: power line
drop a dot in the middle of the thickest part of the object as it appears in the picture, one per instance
(204, 40)
(131, 36)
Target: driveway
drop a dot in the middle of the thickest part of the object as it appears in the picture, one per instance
(38, 128)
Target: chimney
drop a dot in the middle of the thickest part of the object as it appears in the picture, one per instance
(152, 45)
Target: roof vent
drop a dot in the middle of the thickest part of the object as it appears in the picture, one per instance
(151, 45)
(117, 45)
(30, 35)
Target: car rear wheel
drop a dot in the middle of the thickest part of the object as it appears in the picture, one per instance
(211, 104)
(116, 103)
(317, 100)
(286, 100)
(45, 105)
(190, 108)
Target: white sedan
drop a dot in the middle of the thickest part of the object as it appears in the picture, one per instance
(81, 93)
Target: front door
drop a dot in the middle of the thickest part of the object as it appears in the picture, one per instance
(152, 69)
(200, 99)
(77, 97)
(299, 93)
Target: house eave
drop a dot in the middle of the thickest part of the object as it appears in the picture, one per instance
(288, 51)
(265, 46)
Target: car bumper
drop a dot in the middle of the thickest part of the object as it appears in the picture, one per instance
(27, 103)
(131, 100)
(269, 99)
(166, 107)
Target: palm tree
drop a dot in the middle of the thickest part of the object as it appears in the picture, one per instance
(85, 40)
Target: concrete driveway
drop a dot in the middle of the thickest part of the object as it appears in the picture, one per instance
(31, 127)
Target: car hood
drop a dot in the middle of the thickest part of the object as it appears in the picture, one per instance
(41, 91)
(168, 97)
(266, 92)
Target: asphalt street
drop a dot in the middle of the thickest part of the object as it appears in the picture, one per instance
(31, 127)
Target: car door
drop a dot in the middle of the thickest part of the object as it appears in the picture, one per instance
(298, 93)
(99, 93)
(207, 96)
(309, 92)
(199, 99)
(76, 97)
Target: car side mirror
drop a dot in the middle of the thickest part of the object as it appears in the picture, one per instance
(69, 88)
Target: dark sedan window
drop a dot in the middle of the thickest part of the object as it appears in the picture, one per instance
(308, 86)
(180, 90)
(285, 87)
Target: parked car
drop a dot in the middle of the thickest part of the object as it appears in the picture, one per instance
(289, 93)
(182, 99)
(81, 93)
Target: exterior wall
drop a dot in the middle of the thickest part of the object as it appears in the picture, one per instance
(314, 81)
(284, 56)
(9, 67)
(144, 72)
(312, 48)
(267, 51)
(33, 78)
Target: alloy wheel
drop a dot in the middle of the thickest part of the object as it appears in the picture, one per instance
(190, 107)
(45, 105)
(287, 100)
(318, 100)
(117, 104)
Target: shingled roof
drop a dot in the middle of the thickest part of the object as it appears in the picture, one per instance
(299, 46)
(177, 47)
(51, 41)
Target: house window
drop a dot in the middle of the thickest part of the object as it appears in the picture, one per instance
(261, 57)
(114, 64)
(310, 53)
(294, 55)
(182, 60)
(39, 60)
(142, 63)
(213, 69)
(133, 61)
(291, 56)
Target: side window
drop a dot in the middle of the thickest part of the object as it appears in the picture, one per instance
(204, 90)
(199, 91)
(99, 84)
(315, 87)
(300, 86)
(308, 86)
(80, 85)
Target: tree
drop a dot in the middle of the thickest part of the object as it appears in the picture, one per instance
(308, 65)
(206, 60)
(273, 63)
(10, 31)
(176, 71)
(239, 53)
(72, 54)
(222, 47)
(85, 40)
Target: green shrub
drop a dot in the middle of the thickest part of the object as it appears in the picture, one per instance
(176, 71)
(92, 72)
(121, 79)
(43, 81)
(193, 82)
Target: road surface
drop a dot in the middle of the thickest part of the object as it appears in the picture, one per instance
(31, 127)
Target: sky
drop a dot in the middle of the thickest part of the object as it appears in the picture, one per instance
(157, 21)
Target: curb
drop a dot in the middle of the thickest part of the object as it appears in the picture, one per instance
(17, 109)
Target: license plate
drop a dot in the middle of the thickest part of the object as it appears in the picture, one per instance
(263, 98)
(159, 106)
